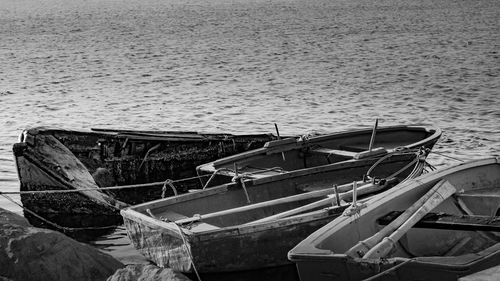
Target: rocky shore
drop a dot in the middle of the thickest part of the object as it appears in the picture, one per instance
(28, 253)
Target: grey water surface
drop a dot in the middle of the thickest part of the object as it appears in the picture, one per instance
(240, 66)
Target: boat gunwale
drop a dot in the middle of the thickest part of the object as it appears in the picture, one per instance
(460, 261)
(117, 133)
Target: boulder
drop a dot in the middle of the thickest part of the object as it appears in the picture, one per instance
(146, 272)
(29, 253)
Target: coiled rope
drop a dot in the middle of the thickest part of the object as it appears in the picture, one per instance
(397, 151)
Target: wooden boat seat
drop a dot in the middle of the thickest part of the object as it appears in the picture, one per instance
(197, 226)
(328, 152)
(353, 148)
(450, 221)
(257, 172)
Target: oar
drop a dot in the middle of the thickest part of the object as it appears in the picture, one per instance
(382, 249)
(363, 190)
(372, 139)
(364, 246)
(288, 199)
(278, 135)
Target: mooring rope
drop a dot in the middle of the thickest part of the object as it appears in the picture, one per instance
(184, 241)
(212, 176)
(170, 183)
(100, 188)
(447, 156)
(241, 178)
(188, 250)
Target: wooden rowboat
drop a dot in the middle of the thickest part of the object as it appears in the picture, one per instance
(450, 227)
(85, 161)
(286, 155)
(251, 224)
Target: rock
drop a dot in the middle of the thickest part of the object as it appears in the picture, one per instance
(146, 272)
(28, 253)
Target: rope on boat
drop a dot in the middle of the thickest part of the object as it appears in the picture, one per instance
(218, 171)
(60, 228)
(416, 170)
(214, 174)
(188, 250)
(170, 183)
(387, 271)
(447, 156)
(263, 170)
(184, 241)
(97, 189)
(241, 179)
(398, 151)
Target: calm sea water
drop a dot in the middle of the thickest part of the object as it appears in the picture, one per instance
(240, 66)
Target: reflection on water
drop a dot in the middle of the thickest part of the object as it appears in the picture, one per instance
(240, 66)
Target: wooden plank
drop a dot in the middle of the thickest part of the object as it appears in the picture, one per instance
(450, 221)
(379, 151)
(333, 152)
(288, 199)
(162, 138)
(195, 227)
(141, 132)
(280, 142)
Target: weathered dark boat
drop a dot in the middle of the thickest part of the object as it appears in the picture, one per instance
(251, 224)
(286, 155)
(450, 227)
(85, 161)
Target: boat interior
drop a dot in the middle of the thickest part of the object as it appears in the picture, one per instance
(234, 204)
(465, 223)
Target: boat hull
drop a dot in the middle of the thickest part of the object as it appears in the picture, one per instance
(56, 159)
(232, 243)
(288, 155)
(424, 253)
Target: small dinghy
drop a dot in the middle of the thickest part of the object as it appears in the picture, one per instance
(54, 163)
(439, 226)
(251, 224)
(287, 155)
